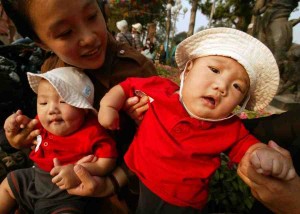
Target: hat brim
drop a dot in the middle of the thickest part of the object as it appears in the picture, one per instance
(65, 91)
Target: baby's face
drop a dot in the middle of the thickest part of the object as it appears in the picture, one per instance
(214, 86)
(55, 115)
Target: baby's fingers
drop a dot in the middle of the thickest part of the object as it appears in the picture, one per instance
(61, 185)
(256, 162)
(291, 174)
(57, 180)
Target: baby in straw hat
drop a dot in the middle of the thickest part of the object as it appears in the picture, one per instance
(177, 147)
(69, 131)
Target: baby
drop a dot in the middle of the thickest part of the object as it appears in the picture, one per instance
(69, 131)
(177, 147)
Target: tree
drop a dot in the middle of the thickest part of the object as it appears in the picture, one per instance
(193, 17)
(229, 13)
(143, 11)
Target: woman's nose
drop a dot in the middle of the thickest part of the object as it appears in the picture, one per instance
(87, 38)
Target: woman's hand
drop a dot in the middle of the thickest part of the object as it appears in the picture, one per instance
(280, 196)
(136, 107)
(20, 130)
(97, 186)
(91, 185)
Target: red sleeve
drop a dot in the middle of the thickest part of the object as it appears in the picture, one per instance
(147, 85)
(131, 84)
(103, 145)
(239, 149)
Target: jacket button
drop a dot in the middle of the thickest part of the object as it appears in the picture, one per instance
(122, 52)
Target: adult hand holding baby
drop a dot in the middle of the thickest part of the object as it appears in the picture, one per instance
(20, 130)
(280, 196)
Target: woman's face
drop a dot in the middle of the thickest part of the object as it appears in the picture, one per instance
(73, 29)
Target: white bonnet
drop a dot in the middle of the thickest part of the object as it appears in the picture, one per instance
(72, 85)
(252, 54)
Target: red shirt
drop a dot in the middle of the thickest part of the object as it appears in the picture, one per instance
(91, 138)
(175, 155)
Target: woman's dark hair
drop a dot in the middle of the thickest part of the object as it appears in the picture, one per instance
(18, 12)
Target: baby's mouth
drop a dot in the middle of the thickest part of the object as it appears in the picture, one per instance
(210, 100)
(56, 120)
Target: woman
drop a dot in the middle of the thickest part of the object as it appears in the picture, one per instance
(75, 31)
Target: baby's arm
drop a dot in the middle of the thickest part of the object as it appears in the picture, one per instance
(64, 176)
(110, 105)
(268, 160)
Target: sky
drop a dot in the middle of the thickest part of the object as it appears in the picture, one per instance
(183, 21)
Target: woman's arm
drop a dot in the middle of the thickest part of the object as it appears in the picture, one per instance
(282, 128)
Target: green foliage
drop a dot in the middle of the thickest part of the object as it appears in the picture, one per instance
(168, 72)
(228, 193)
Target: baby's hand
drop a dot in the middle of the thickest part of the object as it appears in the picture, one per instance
(273, 160)
(109, 118)
(87, 159)
(64, 176)
(19, 130)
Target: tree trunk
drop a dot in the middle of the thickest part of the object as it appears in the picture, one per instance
(168, 28)
(192, 18)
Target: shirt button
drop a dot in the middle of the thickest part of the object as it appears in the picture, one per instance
(177, 130)
(122, 52)
(46, 144)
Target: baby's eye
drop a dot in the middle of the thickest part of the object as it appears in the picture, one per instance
(238, 87)
(214, 70)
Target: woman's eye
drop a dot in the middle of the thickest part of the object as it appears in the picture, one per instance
(43, 103)
(214, 70)
(93, 16)
(62, 101)
(64, 34)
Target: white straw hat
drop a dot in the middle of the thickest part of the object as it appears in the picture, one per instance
(72, 85)
(122, 24)
(252, 54)
(138, 27)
